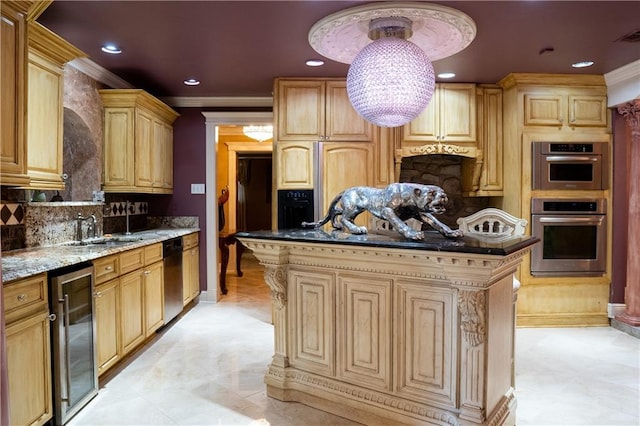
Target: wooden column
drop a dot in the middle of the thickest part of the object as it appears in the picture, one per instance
(631, 315)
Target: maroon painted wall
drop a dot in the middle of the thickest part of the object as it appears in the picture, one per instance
(620, 206)
(189, 166)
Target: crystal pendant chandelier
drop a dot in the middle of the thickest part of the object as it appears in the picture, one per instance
(260, 133)
(391, 46)
(391, 80)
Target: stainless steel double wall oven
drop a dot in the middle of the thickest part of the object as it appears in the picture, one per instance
(572, 229)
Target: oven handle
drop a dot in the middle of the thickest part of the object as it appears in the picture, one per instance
(596, 220)
(570, 158)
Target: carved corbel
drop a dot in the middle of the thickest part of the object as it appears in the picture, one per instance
(471, 305)
(631, 112)
(276, 279)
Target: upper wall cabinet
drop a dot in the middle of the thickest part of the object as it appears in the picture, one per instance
(13, 87)
(47, 55)
(450, 117)
(317, 110)
(560, 101)
(138, 142)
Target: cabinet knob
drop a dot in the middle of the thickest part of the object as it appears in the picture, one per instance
(146, 272)
(97, 294)
(22, 297)
(108, 268)
(52, 317)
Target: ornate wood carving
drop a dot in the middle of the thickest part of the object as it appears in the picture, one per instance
(472, 311)
(631, 112)
(276, 279)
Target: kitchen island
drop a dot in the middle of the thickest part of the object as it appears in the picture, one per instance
(379, 329)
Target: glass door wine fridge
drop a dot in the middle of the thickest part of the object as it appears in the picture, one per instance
(75, 375)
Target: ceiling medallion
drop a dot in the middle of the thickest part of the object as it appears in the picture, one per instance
(390, 47)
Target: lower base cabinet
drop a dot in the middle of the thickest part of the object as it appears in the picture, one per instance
(107, 304)
(129, 308)
(28, 345)
(190, 268)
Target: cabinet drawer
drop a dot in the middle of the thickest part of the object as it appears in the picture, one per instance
(106, 268)
(190, 240)
(24, 297)
(152, 253)
(131, 260)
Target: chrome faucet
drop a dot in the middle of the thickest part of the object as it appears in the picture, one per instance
(128, 209)
(92, 226)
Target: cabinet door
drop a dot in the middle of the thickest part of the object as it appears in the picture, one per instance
(311, 296)
(300, 110)
(194, 267)
(44, 128)
(153, 298)
(544, 109)
(144, 149)
(294, 165)
(186, 277)
(345, 165)
(343, 123)
(424, 128)
(425, 339)
(131, 310)
(13, 148)
(457, 113)
(107, 302)
(364, 341)
(29, 370)
(118, 147)
(587, 111)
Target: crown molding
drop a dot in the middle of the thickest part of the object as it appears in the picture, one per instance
(100, 74)
(623, 84)
(219, 101)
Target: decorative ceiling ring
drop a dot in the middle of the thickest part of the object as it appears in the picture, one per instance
(440, 31)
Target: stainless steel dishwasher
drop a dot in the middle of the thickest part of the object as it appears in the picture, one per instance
(172, 262)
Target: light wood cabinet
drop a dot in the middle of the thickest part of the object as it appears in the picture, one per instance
(153, 298)
(132, 326)
(138, 142)
(482, 176)
(307, 112)
(317, 110)
(294, 165)
(558, 107)
(190, 268)
(47, 55)
(107, 303)
(450, 117)
(13, 86)
(28, 345)
(344, 165)
(561, 108)
(129, 301)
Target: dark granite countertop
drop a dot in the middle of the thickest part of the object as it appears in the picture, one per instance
(18, 264)
(433, 241)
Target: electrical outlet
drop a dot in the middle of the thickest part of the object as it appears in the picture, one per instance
(197, 188)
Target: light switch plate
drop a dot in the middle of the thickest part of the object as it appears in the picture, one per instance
(197, 188)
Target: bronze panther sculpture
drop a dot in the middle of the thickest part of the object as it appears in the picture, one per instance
(395, 203)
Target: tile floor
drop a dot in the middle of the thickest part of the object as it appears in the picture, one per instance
(207, 369)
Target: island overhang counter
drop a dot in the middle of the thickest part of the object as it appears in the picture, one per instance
(379, 329)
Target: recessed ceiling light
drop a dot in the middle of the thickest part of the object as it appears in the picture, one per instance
(582, 64)
(192, 82)
(446, 75)
(112, 49)
(315, 62)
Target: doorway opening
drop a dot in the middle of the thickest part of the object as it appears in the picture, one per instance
(254, 201)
